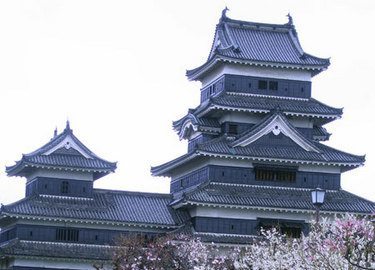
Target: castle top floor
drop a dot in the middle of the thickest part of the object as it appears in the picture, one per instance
(257, 50)
(64, 166)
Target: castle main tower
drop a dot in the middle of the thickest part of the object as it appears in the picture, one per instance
(255, 150)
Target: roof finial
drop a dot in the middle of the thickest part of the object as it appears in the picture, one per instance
(55, 132)
(67, 128)
(290, 19)
(224, 13)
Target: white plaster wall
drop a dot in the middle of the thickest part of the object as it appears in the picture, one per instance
(210, 161)
(65, 174)
(316, 168)
(265, 72)
(241, 118)
(301, 122)
(251, 214)
(255, 118)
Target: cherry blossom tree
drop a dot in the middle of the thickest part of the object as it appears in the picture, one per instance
(347, 243)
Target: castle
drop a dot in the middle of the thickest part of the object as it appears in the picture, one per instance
(254, 155)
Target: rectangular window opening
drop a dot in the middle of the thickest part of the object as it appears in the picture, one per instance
(67, 235)
(275, 175)
(262, 85)
(273, 85)
(65, 187)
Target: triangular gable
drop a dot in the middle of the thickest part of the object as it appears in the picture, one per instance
(187, 126)
(276, 124)
(68, 143)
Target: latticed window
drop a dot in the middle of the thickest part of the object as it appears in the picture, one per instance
(262, 84)
(65, 187)
(274, 175)
(68, 235)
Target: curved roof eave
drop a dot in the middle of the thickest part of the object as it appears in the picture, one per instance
(283, 160)
(199, 72)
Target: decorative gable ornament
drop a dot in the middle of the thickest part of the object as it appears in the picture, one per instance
(68, 143)
(277, 123)
(188, 128)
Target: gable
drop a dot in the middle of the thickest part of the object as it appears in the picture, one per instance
(276, 125)
(67, 145)
(273, 140)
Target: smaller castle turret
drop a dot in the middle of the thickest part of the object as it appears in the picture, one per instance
(64, 167)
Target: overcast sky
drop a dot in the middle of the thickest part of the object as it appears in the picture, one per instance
(116, 70)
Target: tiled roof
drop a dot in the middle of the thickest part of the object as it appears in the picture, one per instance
(320, 134)
(301, 151)
(222, 146)
(258, 44)
(198, 123)
(276, 117)
(253, 196)
(57, 250)
(164, 168)
(148, 209)
(264, 104)
(73, 155)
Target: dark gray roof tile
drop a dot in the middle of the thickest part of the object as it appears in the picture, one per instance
(57, 250)
(276, 197)
(260, 44)
(64, 157)
(222, 146)
(106, 205)
(267, 103)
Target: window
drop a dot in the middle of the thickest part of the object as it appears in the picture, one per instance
(232, 129)
(273, 85)
(68, 235)
(274, 175)
(65, 187)
(290, 229)
(262, 85)
(291, 232)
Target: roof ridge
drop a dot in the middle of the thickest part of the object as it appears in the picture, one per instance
(258, 24)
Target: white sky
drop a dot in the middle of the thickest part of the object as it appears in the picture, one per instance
(116, 69)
